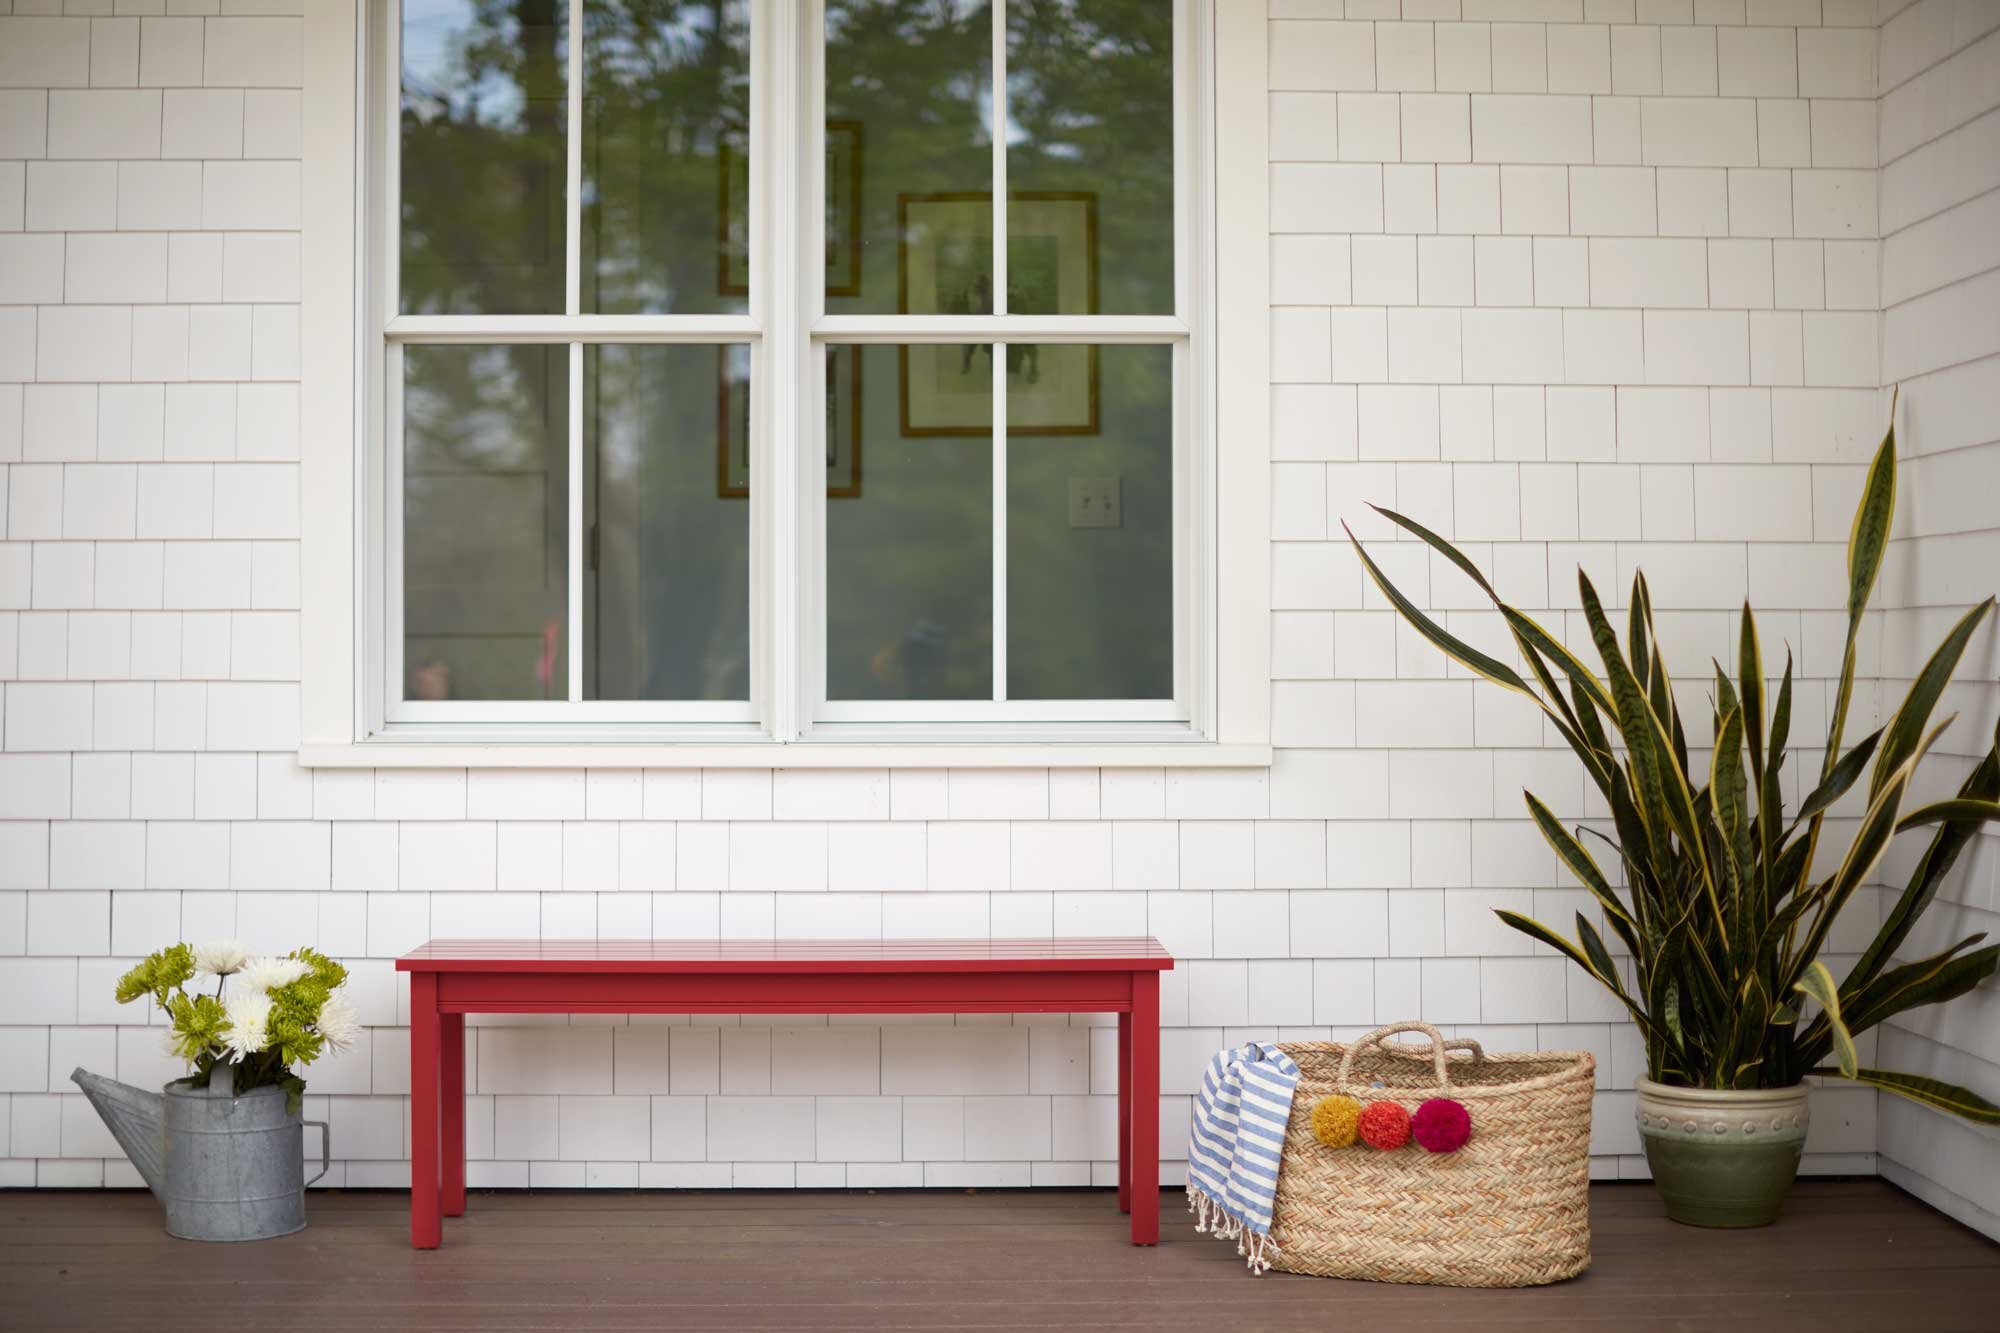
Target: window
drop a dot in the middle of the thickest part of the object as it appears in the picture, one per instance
(728, 377)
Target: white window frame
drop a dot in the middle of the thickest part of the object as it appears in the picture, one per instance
(1220, 715)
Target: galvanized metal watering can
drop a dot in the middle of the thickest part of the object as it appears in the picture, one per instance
(227, 1167)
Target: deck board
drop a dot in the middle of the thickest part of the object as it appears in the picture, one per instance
(1846, 1255)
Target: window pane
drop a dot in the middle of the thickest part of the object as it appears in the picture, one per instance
(909, 156)
(1090, 528)
(909, 568)
(484, 113)
(1090, 155)
(666, 433)
(485, 514)
(666, 179)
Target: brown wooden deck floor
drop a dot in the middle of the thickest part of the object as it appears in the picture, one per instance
(1847, 1255)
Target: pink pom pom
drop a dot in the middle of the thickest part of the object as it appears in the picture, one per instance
(1441, 1125)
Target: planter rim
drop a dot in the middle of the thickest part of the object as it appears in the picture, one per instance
(180, 1087)
(1725, 1096)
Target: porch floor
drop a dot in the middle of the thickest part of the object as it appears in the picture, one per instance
(1846, 1255)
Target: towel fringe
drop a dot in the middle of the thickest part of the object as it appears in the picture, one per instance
(1213, 1219)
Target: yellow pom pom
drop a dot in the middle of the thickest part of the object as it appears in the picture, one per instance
(1334, 1120)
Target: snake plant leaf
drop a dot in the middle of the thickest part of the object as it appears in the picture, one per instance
(1659, 685)
(1534, 929)
(1940, 811)
(1637, 649)
(1608, 978)
(1818, 982)
(1943, 976)
(1600, 957)
(1635, 722)
(1726, 781)
(1948, 1097)
(1524, 627)
(1866, 542)
(1663, 789)
(1845, 774)
(1440, 545)
(1868, 539)
(1781, 719)
(1983, 783)
(1455, 648)
(1871, 839)
(1750, 685)
(1907, 727)
(1572, 854)
(1528, 630)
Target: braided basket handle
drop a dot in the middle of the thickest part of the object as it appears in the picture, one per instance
(1436, 1054)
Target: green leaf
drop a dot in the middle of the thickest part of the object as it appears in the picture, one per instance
(1781, 719)
(1727, 783)
(1943, 976)
(1983, 783)
(1844, 775)
(1525, 628)
(1662, 787)
(1868, 539)
(1946, 1097)
(1534, 929)
(1820, 985)
(1572, 854)
(1870, 840)
(1457, 649)
(1978, 812)
(1600, 957)
(1750, 683)
(1900, 738)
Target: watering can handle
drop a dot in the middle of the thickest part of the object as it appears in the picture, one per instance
(325, 1144)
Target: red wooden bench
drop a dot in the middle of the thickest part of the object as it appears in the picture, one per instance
(452, 978)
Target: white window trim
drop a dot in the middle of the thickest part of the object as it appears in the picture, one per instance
(1230, 725)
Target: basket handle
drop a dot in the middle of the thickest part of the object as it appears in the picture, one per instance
(1438, 1047)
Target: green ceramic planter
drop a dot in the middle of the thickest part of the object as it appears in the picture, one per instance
(1723, 1159)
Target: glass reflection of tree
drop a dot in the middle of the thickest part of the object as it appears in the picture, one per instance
(666, 86)
(484, 110)
(1090, 107)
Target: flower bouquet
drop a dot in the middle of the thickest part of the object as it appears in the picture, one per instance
(266, 1018)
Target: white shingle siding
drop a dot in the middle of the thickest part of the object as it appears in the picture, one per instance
(1575, 281)
(1939, 72)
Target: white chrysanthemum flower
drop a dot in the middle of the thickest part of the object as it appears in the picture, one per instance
(338, 1022)
(249, 1012)
(220, 958)
(269, 974)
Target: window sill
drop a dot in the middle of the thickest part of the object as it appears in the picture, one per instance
(772, 754)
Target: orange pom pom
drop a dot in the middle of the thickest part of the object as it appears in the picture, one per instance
(1385, 1125)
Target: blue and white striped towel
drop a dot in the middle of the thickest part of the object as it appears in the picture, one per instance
(1236, 1140)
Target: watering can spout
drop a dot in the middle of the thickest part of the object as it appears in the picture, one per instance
(136, 1118)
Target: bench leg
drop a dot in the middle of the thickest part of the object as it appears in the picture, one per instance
(451, 1096)
(1144, 1110)
(426, 1230)
(1125, 1112)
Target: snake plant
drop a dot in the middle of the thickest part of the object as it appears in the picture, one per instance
(1721, 912)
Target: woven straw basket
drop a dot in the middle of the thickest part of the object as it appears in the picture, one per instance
(1509, 1209)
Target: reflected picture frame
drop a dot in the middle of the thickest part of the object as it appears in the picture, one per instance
(841, 436)
(844, 140)
(944, 267)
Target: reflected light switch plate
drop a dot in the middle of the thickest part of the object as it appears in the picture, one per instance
(1093, 502)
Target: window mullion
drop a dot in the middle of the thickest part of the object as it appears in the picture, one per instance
(784, 103)
(573, 306)
(999, 60)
